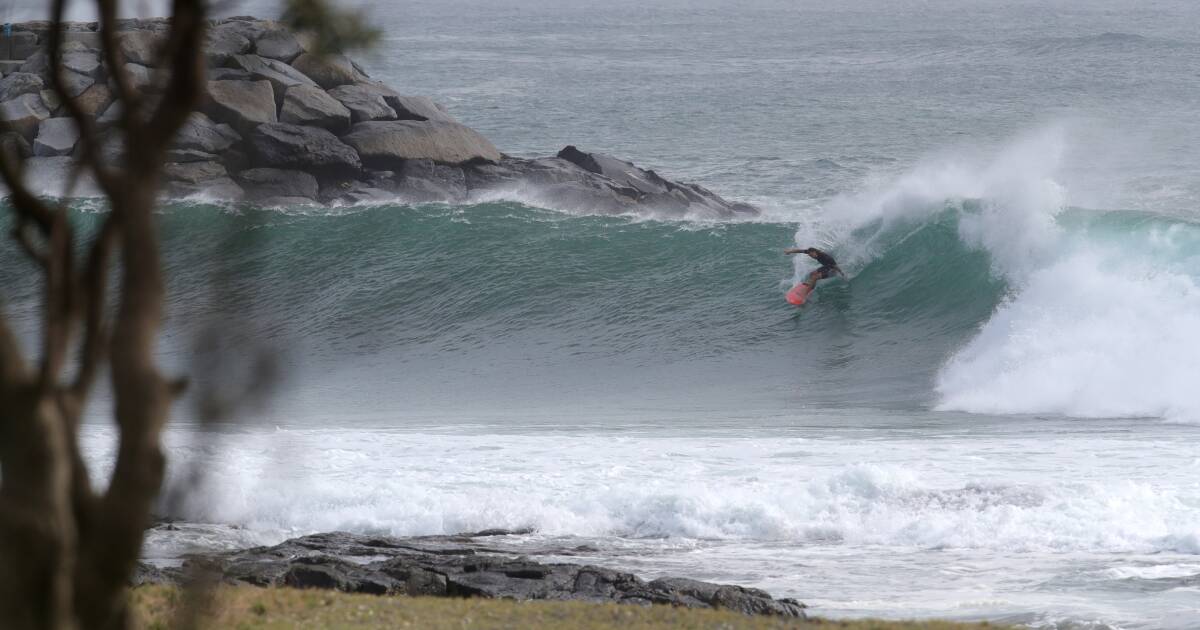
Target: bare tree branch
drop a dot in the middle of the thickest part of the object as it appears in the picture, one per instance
(12, 364)
(141, 395)
(20, 233)
(55, 262)
(56, 331)
(88, 140)
(130, 101)
(185, 88)
(93, 286)
(24, 202)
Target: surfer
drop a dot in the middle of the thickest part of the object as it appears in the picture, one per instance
(829, 266)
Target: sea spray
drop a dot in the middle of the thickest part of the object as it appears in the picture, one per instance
(1101, 309)
(804, 491)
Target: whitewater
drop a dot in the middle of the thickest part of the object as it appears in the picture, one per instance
(991, 419)
(995, 417)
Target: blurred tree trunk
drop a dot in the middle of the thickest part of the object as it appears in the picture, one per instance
(67, 551)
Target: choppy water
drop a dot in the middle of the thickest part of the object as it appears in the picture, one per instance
(994, 418)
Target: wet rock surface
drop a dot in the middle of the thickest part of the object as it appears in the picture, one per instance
(272, 104)
(453, 566)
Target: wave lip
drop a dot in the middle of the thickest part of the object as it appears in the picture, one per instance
(1100, 311)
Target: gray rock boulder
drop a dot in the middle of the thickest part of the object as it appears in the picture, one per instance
(55, 137)
(95, 100)
(223, 43)
(356, 193)
(241, 104)
(206, 179)
(141, 78)
(653, 190)
(86, 63)
(140, 46)
(77, 83)
(37, 63)
(557, 182)
(328, 71)
(584, 196)
(24, 114)
(228, 74)
(408, 107)
(281, 75)
(364, 103)
(19, 83)
(220, 189)
(51, 100)
(417, 108)
(278, 44)
(249, 27)
(111, 115)
(420, 181)
(387, 144)
(14, 145)
(70, 46)
(620, 171)
(184, 156)
(194, 172)
(267, 183)
(283, 145)
(87, 39)
(200, 133)
(156, 25)
(53, 176)
(310, 105)
(22, 45)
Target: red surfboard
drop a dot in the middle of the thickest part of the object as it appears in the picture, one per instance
(799, 294)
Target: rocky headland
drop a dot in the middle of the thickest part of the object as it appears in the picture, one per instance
(282, 126)
(464, 565)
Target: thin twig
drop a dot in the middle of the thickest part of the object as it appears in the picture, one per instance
(20, 233)
(56, 326)
(184, 90)
(24, 202)
(130, 100)
(88, 139)
(12, 364)
(93, 286)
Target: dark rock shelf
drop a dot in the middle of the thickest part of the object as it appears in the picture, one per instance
(453, 566)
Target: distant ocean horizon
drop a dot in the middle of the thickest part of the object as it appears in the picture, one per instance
(994, 417)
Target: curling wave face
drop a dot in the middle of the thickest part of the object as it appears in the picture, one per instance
(974, 290)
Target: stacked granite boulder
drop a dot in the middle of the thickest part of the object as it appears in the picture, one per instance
(281, 126)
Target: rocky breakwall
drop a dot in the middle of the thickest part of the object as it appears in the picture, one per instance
(282, 126)
(454, 566)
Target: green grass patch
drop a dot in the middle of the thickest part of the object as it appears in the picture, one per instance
(251, 608)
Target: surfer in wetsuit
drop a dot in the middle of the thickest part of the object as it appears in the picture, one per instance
(829, 266)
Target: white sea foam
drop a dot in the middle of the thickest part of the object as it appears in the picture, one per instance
(1099, 323)
(291, 481)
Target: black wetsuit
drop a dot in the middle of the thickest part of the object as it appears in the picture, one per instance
(829, 266)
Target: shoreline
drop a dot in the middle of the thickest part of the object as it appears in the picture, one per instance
(461, 565)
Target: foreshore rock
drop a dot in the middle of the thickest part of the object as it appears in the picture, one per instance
(272, 104)
(452, 566)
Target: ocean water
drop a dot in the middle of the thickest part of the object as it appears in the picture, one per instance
(995, 417)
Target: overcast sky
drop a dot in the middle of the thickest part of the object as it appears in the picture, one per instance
(84, 10)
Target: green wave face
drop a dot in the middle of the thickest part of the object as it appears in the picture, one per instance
(419, 305)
